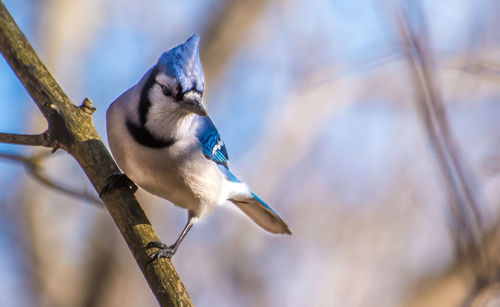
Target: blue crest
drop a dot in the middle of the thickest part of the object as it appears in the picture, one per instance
(183, 63)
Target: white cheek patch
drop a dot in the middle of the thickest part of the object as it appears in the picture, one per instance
(165, 118)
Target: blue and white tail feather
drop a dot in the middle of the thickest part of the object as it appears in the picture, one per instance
(261, 213)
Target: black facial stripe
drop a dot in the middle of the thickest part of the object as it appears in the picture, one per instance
(144, 102)
(139, 132)
(166, 91)
(142, 136)
(179, 95)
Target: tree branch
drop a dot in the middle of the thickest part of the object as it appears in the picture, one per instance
(71, 128)
(26, 139)
(463, 201)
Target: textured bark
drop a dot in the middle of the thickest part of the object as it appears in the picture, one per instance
(71, 128)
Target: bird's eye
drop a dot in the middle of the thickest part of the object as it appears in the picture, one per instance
(166, 90)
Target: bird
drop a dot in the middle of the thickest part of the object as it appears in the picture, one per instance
(162, 138)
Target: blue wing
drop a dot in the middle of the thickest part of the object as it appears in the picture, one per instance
(211, 143)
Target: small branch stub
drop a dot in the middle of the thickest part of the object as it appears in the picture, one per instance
(88, 107)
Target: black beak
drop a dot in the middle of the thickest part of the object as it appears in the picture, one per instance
(191, 102)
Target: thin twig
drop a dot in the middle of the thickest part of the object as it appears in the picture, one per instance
(33, 166)
(460, 187)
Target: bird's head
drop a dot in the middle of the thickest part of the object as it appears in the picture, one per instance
(179, 80)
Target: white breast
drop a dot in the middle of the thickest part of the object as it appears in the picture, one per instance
(179, 173)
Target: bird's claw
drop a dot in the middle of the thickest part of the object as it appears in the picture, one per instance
(164, 251)
(118, 180)
(156, 244)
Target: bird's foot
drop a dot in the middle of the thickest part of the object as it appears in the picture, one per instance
(116, 181)
(164, 251)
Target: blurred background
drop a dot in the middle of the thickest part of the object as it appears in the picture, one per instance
(372, 127)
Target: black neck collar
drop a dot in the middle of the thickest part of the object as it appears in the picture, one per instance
(139, 131)
(142, 136)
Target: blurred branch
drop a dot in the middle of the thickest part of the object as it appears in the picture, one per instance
(462, 199)
(227, 30)
(71, 128)
(34, 168)
(477, 66)
(449, 288)
(477, 248)
(100, 265)
(26, 139)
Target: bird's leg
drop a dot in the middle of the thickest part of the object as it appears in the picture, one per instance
(118, 180)
(166, 251)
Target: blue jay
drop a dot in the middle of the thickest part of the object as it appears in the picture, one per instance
(163, 140)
